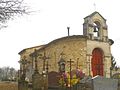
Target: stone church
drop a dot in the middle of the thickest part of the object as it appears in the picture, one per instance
(90, 52)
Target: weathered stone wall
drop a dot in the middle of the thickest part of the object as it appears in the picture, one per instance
(73, 47)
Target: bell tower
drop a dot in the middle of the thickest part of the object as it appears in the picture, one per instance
(95, 27)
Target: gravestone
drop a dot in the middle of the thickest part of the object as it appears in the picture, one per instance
(53, 79)
(37, 81)
(22, 85)
(101, 83)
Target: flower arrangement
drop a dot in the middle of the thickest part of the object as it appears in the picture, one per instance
(71, 78)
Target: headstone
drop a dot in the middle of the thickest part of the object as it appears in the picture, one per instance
(53, 78)
(22, 85)
(101, 83)
(37, 82)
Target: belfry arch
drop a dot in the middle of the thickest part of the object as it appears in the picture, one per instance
(97, 27)
(97, 62)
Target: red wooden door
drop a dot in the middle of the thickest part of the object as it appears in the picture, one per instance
(97, 62)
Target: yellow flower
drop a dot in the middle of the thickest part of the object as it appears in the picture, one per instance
(74, 79)
(61, 81)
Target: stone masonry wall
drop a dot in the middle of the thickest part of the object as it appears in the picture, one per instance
(72, 48)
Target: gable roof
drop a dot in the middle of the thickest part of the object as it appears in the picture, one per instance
(40, 46)
(91, 15)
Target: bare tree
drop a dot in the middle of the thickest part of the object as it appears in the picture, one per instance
(10, 8)
(12, 73)
(8, 73)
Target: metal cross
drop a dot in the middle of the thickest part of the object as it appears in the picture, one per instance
(94, 6)
(70, 61)
(44, 58)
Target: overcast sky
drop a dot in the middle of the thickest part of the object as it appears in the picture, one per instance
(50, 21)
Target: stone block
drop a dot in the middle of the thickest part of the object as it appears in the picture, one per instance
(101, 83)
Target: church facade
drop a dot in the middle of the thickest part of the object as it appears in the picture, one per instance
(90, 52)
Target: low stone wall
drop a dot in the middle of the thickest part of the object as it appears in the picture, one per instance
(8, 86)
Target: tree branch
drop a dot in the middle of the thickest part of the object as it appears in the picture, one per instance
(10, 8)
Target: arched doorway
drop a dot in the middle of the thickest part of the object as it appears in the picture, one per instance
(97, 62)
